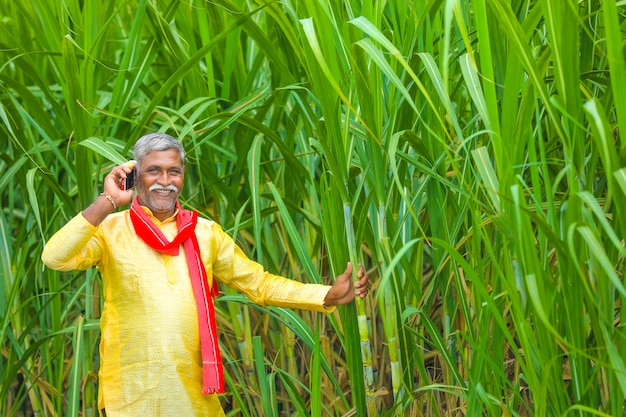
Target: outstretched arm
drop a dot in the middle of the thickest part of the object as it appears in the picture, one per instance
(343, 291)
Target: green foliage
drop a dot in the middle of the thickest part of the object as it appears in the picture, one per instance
(468, 153)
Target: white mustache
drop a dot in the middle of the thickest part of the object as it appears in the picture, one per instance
(157, 187)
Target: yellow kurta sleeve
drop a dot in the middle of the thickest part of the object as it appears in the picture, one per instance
(72, 247)
(230, 265)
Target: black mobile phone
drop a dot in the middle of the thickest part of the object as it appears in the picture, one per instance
(129, 182)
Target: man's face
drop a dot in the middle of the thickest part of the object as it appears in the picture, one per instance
(160, 182)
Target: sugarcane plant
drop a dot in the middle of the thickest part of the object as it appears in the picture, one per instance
(467, 153)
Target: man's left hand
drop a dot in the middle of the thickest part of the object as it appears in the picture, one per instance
(343, 292)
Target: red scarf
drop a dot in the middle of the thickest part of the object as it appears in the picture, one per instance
(212, 370)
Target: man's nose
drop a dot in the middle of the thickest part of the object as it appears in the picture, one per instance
(164, 178)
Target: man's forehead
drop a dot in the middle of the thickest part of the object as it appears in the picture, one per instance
(163, 157)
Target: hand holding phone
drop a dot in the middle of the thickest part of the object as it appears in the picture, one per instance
(131, 177)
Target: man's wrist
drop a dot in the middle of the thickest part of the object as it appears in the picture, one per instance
(108, 197)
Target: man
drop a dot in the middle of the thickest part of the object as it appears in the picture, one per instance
(159, 350)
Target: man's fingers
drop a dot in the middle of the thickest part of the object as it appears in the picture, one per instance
(362, 284)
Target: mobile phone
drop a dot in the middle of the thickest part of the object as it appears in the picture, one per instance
(129, 182)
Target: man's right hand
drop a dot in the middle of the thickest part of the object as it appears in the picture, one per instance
(113, 184)
(112, 197)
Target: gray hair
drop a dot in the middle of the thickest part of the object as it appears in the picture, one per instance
(156, 142)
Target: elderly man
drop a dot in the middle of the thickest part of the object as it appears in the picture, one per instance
(159, 348)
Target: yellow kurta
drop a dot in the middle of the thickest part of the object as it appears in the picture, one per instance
(150, 362)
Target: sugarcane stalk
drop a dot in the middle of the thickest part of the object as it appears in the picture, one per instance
(366, 350)
(388, 313)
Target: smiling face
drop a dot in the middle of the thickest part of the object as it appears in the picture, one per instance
(160, 182)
